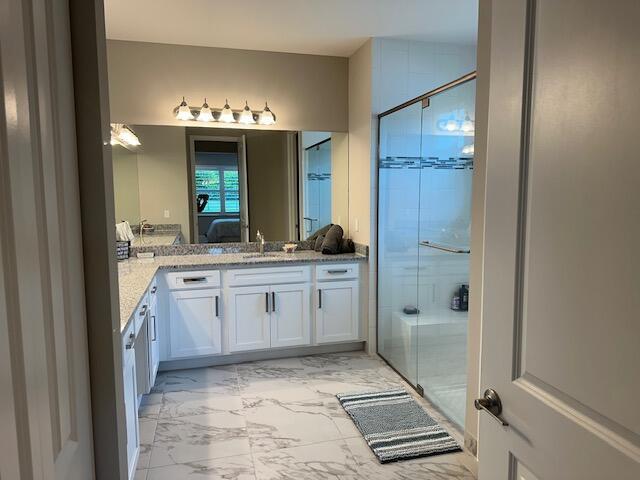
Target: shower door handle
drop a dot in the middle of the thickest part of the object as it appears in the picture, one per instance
(444, 248)
(491, 404)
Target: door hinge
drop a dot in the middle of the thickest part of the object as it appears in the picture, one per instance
(419, 389)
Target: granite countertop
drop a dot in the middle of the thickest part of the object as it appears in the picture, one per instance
(155, 239)
(135, 275)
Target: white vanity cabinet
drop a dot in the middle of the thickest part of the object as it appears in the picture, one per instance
(337, 299)
(194, 314)
(255, 308)
(248, 315)
(290, 315)
(130, 397)
(268, 307)
(194, 326)
(268, 316)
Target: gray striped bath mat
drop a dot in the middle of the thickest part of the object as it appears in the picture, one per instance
(395, 426)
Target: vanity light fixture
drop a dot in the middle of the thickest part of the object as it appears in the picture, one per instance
(266, 117)
(183, 111)
(123, 135)
(205, 114)
(246, 116)
(226, 115)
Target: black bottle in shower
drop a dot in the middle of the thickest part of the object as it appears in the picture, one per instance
(463, 292)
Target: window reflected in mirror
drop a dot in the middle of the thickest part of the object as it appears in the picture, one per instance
(222, 185)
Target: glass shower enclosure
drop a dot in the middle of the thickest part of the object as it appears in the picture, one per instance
(317, 187)
(425, 168)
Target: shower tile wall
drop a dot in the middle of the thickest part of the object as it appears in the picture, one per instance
(402, 70)
(406, 69)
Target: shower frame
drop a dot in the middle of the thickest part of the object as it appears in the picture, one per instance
(424, 98)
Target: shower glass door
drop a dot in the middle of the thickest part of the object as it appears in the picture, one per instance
(398, 235)
(443, 267)
(425, 171)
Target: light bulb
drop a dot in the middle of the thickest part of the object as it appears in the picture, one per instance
(184, 112)
(266, 116)
(468, 125)
(205, 113)
(127, 136)
(226, 115)
(451, 126)
(246, 117)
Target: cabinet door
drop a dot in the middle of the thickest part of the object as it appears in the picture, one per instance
(336, 311)
(290, 315)
(194, 327)
(248, 317)
(131, 410)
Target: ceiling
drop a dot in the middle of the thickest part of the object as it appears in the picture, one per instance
(320, 27)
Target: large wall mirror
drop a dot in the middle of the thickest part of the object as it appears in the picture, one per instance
(213, 185)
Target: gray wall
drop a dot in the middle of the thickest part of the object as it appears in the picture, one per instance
(147, 80)
(125, 185)
(267, 175)
(163, 175)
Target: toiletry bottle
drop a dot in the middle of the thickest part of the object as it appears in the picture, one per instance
(455, 302)
(464, 298)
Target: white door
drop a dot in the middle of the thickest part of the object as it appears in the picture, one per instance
(561, 321)
(336, 311)
(248, 311)
(44, 368)
(194, 323)
(290, 315)
(131, 409)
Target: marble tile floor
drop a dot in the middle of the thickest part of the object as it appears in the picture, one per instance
(274, 420)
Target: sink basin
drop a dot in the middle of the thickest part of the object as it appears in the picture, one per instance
(260, 255)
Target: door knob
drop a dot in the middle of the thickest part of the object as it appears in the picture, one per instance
(491, 404)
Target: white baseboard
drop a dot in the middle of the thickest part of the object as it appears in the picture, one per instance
(214, 360)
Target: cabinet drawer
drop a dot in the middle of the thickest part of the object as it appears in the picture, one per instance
(340, 271)
(268, 275)
(191, 280)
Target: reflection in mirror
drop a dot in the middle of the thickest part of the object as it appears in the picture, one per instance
(218, 176)
(324, 175)
(125, 185)
(218, 185)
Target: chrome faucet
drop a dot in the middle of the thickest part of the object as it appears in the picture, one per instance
(260, 239)
(141, 227)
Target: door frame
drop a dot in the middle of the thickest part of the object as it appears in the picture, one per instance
(241, 140)
(95, 169)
